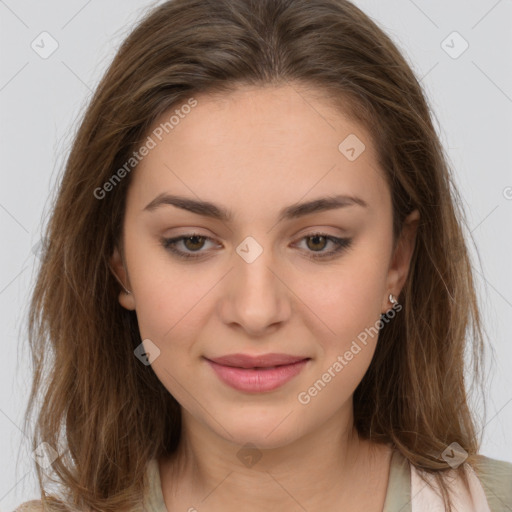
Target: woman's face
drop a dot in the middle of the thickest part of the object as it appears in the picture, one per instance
(253, 285)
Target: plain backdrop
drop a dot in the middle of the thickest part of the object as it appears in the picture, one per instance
(41, 99)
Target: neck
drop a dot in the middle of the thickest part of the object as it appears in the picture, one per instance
(314, 471)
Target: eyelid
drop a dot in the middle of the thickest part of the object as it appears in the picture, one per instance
(341, 244)
(176, 239)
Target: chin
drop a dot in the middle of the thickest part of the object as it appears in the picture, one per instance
(263, 432)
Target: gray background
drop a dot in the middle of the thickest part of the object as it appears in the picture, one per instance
(41, 99)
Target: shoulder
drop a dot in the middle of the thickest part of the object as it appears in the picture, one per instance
(496, 479)
(489, 487)
(30, 506)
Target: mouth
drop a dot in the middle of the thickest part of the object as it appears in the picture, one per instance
(259, 378)
(257, 361)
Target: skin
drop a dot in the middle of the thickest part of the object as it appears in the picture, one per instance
(256, 151)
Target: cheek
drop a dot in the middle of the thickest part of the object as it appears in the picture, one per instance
(170, 312)
(348, 299)
(347, 307)
(169, 304)
(167, 293)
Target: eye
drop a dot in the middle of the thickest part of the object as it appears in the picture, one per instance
(192, 242)
(316, 242)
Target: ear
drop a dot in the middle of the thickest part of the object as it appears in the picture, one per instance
(117, 266)
(401, 259)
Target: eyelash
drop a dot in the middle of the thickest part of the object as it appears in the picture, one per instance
(340, 243)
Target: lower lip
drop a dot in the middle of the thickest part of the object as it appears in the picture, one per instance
(257, 380)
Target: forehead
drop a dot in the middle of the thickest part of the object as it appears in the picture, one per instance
(266, 145)
(267, 117)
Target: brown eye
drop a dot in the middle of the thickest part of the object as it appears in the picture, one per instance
(194, 245)
(318, 242)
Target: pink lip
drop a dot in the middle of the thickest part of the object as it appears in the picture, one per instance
(254, 374)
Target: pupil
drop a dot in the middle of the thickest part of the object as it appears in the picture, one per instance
(194, 238)
(317, 237)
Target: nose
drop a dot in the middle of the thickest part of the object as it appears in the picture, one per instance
(255, 297)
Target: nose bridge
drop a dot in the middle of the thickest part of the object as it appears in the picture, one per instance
(257, 297)
(253, 266)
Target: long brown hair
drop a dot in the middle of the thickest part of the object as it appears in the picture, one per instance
(104, 412)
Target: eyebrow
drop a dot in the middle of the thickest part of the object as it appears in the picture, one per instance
(208, 209)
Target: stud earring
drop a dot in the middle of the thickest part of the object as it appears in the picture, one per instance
(392, 299)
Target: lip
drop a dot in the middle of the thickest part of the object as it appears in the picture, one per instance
(258, 361)
(257, 374)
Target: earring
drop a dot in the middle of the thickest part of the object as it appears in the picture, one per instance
(392, 299)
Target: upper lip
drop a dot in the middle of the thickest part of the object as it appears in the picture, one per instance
(261, 361)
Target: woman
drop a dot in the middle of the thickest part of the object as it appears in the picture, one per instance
(255, 293)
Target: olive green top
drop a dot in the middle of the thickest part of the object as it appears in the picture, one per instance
(495, 477)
